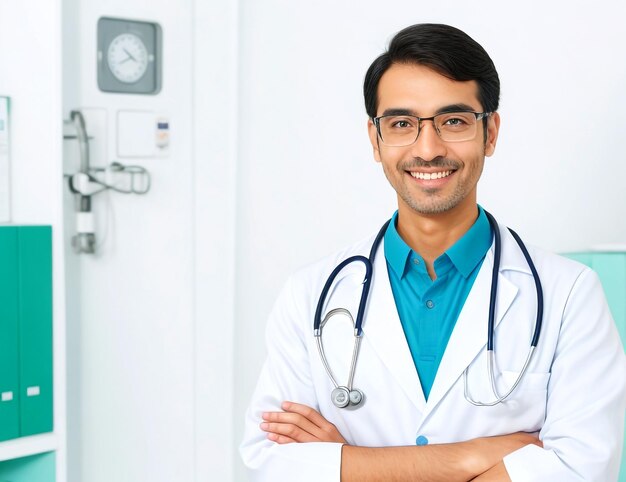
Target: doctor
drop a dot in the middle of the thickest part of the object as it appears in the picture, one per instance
(432, 100)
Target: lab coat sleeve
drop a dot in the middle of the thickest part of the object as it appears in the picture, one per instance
(583, 431)
(286, 376)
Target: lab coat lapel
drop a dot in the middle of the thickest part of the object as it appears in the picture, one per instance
(469, 336)
(384, 333)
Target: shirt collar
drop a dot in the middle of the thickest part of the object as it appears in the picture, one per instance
(468, 251)
(465, 254)
(396, 250)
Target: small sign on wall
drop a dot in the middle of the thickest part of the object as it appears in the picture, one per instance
(5, 152)
(142, 134)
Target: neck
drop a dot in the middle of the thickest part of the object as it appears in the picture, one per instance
(431, 235)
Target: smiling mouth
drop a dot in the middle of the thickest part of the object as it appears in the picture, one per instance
(427, 176)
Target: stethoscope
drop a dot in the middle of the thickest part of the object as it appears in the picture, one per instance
(346, 396)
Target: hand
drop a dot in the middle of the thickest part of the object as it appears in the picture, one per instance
(497, 473)
(299, 423)
(487, 452)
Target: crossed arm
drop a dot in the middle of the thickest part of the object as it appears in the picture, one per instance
(478, 459)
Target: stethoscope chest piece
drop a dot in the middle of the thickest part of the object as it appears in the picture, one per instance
(342, 397)
(356, 397)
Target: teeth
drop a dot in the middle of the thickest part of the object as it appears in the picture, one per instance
(428, 175)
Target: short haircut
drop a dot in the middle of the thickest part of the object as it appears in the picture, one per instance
(442, 48)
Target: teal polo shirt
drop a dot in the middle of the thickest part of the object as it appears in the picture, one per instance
(429, 309)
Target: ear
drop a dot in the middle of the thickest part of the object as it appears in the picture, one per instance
(373, 134)
(493, 127)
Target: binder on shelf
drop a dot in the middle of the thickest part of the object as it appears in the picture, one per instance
(9, 336)
(35, 325)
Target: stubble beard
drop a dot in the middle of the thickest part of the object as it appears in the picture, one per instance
(435, 202)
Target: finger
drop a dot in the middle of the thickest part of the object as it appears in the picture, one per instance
(294, 419)
(321, 428)
(311, 414)
(307, 412)
(288, 430)
(280, 439)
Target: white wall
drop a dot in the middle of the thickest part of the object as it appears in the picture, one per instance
(30, 73)
(307, 183)
(151, 315)
(131, 344)
(215, 162)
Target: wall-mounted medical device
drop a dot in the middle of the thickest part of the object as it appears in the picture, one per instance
(142, 134)
(5, 153)
(89, 181)
(129, 56)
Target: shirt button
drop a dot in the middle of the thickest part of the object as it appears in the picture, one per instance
(421, 440)
(430, 304)
(416, 261)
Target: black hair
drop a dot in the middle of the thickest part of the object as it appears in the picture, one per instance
(445, 49)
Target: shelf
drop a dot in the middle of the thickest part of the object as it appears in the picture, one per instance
(25, 446)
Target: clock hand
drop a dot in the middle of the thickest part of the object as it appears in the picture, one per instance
(130, 55)
(126, 60)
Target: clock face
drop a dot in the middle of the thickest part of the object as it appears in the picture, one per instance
(128, 58)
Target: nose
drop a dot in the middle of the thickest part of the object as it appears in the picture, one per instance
(428, 145)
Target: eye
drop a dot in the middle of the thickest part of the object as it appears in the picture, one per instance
(401, 123)
(455, 121)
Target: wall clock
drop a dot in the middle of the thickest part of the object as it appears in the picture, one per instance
(129, 56)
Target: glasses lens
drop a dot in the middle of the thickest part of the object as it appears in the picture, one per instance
(456, 126)
(398, 130)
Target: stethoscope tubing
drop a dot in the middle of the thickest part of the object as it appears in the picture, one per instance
(318, 324)
(494, 283)
(368, 262)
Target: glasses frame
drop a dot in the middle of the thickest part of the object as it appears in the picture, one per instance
(376, 121)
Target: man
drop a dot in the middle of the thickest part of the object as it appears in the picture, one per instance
(429, 410)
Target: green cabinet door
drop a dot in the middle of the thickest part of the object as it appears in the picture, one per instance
(35, 315)
(9, 336)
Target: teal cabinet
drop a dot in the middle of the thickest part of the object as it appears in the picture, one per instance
(25, 331)
(35, 314)
(9, 336)
(36, 468)
(611, 268)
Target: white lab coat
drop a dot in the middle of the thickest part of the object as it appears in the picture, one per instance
(574, 393)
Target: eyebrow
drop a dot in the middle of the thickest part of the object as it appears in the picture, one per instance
(442, 110)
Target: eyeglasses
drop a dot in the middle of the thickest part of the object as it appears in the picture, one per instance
(403, 130)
